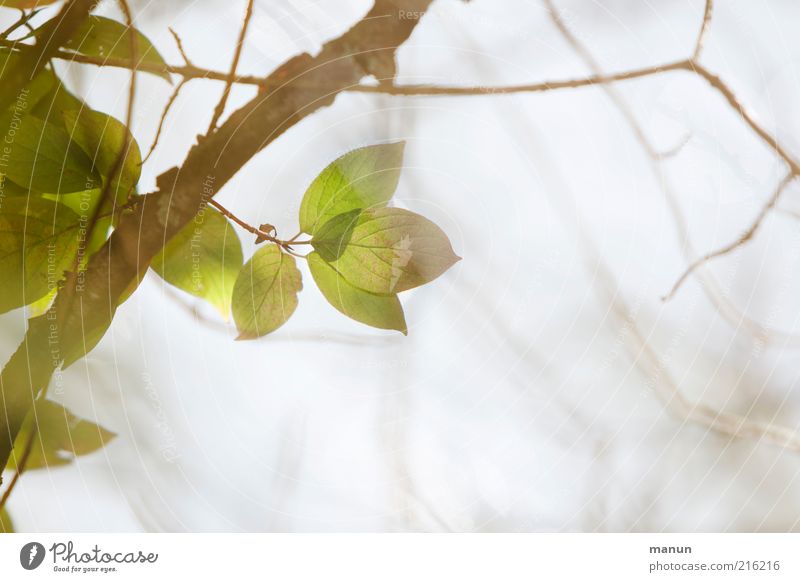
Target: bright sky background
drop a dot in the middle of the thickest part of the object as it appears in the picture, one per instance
(529, 394)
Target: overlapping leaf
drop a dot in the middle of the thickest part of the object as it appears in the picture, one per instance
(204, 259)
(102, 138)
(363, 178)
(39, 155)
(391, 250)
(265, 293)
(38, 241)
(381, 311)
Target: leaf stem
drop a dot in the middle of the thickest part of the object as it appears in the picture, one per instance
(286, 245)
(23, 461)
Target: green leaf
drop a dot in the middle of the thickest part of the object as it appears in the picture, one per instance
(265, 293)
(364, 178)
(203, 259)
(392, 250)
(38, 241)
(381, 311)
(106, 38)
(333, 236)
(6, 525)
(26, 3)
(40, 155)
(58, 437)
(101, 137)
(49, 98)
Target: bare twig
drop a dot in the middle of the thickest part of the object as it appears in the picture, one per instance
(220, 108)
(744, 238)
(181, 50)
(728, 424)
(701, 35)
(163, 118)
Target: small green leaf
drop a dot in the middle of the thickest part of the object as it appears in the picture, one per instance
(59, 437)
(203, 259)
(38, 241)
(265, 293)
(101, 137)
(392, 250)
(40, 155)
(363, 178)
(6, 525)
(103, 37)
(332, 237)
(381, 311)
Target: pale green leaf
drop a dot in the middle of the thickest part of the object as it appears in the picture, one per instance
(38, 241)
(363, 178)
(381, 311)
(58, 437)
(203, 259)
(265, 293)
(106, 38)
(102, 138)
(39, 155)
(391, 250)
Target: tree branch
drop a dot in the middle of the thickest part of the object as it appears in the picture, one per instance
(60, 337)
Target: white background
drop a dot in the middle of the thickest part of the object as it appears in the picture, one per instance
(529, 394)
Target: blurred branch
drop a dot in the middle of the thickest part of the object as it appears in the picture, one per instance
(237, 54)
(728, 424)
(744, 238)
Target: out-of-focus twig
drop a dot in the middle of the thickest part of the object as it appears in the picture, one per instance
(744, 238)
(220, 108)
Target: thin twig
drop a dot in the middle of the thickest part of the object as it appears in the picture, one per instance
(161, 121)
(745, 237)
(262, 235)
(220, 108)
(181, 50)
(23, 20)
(703, 33)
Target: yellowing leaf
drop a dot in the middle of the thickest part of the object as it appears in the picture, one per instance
(38, 242)
(101, 137)
(58, 437)
(363, 178)
(381, 311)
(102, 37)
(203, 259)
(40, 155)
(391, 250)
(265, 294)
